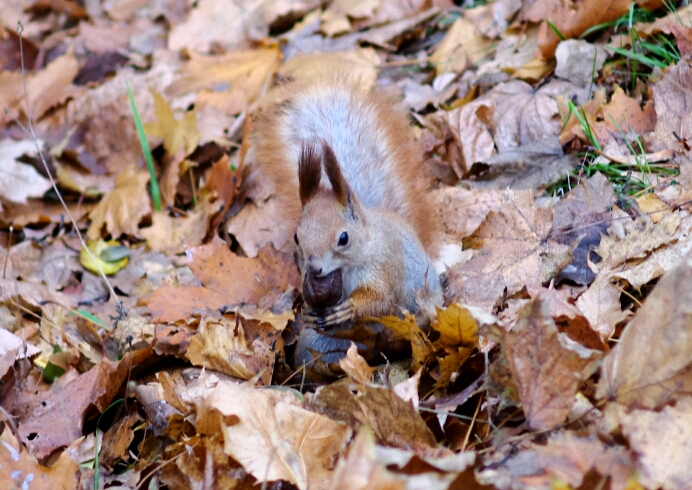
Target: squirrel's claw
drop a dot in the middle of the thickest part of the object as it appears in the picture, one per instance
(330, 317)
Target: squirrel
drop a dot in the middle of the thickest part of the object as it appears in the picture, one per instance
(348, 174)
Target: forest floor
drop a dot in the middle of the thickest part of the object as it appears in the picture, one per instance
(556, 138)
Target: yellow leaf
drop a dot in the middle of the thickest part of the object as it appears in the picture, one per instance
(99, 250)
(457, 327)
(177, 134)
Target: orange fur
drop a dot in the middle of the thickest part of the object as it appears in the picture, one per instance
(349, 176)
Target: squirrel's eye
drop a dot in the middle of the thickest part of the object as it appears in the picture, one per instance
(295, 237)
(343, 239)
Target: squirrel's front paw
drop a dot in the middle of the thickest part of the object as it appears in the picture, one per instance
(330, 317)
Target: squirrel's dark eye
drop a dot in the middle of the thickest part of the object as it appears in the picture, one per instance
(343, 239)
(295, 237)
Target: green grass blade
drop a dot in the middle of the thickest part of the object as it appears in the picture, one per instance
(155, 192)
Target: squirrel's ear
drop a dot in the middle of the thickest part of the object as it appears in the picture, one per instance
(309, 172)
(342, 191)
(331, 166)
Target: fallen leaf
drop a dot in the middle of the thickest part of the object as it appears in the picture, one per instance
(393, 421)
(97, 387)
(533, 165)
(222, 344)
(512, 250)
(623, 114)
(461, 48)
(19, 181)
(570, 19)
(21, 470)
(579, 61)
(650, 365)
(547, 366)
(172, 235)
(355, 366)
(123, 208)
(274, 438)
(671, 95)
(580, 218)
(663, 443)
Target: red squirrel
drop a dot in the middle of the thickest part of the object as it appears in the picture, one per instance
(347, 172)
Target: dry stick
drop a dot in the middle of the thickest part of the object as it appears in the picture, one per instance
(34, 139)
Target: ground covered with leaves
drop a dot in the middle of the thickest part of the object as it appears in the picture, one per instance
(557, 145)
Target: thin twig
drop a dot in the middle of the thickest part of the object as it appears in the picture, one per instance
(118, 305)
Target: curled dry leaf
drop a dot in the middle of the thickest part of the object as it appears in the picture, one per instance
(355, 366)
(651, 364)
(273, 437)
(223, 345)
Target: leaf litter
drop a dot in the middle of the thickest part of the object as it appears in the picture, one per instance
(562, 182)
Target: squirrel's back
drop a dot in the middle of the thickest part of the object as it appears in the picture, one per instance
(370, 139)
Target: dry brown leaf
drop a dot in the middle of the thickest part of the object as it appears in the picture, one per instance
(116, 441)
(663, 443)
(461, 210)
(461, 48)
(242, 280)
(355, 366)
(13, 348)
(362, 63)
(643, 237)
(651, 364)
(335, 18)
(171, 303)
(601, 305)
(360, 470)
(177, 133)
(623, 114)
(21, 470)
(123, 208)
(97, 387)
(52, 86)
(228, 24)
(172, 235)
(533, 165)
(671, 95)
(269, 433)
(244, 73)
(19, 181)
(547, 366)
(393, 421)
(573, 459)
(223, 345)
(661, 261)
(512, 250)
(570, 19)
(665, 24)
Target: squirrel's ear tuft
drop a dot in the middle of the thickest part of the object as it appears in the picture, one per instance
(331, 166)
(342, 192)
(309, 172)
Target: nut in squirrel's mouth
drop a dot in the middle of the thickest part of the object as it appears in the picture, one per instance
(324, 291)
